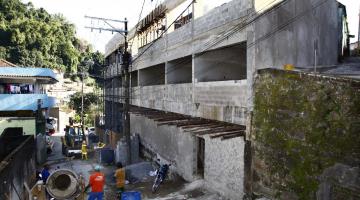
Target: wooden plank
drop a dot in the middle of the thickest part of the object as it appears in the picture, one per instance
(197, 125)
(226, 133)
(218, 130)
(171, 122)
(205, 128)
(227, 137)
(191, 122)
(170, 118)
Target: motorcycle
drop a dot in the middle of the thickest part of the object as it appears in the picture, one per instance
(160, 176)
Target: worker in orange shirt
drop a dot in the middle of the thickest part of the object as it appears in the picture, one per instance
(120, 178)
(96, 182)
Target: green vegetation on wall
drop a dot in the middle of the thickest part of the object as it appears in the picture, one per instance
(302, 125)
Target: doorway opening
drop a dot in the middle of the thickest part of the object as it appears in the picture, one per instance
(200, 156)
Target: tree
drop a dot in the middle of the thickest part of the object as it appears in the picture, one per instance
(33, 37)
(90, 99)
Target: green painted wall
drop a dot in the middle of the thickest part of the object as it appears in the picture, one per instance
(28, 124)
(302, 124)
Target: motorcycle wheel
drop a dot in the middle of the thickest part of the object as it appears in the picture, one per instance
(156, 185)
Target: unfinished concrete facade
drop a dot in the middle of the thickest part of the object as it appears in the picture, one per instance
(205, 68)
(197, 148)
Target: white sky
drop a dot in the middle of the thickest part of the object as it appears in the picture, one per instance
(75, 10)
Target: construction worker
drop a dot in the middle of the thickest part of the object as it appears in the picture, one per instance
(120, 178)
(96, 182)
(84, 150)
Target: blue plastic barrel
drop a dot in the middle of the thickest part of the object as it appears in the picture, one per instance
(132, 195)
(107, 155)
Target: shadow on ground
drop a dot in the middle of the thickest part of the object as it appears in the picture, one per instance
(174, 188)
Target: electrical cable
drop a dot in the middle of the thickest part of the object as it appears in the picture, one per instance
(137, 24)
(261, 38)
(210, 44)
(204, 50)
(237, 28)
(153, 42)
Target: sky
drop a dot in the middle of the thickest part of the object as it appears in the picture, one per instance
(75, 10)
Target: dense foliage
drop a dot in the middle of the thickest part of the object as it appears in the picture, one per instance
(90, 101)
(33, 37)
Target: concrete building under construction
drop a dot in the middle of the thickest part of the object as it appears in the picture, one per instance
(192, 73)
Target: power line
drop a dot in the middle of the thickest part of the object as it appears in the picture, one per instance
(268, 3)
(209, 44)
(240, 27)
(227, 33)
(153, 42)
(137, 24)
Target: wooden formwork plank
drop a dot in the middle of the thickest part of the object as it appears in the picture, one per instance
(218, 130)
(171, 122)
(226, 137)
(217, 135)
(197, 128)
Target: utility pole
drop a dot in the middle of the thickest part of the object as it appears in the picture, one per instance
(125, 76)
(359, 31)
(126, 83)
(82, 100)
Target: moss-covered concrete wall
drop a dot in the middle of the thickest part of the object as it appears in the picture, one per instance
(302, 125)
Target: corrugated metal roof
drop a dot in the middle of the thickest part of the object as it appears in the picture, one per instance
(27, 72)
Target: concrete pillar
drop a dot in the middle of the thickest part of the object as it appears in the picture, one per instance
(193, 77)
(166, 72)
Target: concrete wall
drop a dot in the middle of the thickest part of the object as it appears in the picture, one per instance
(28, 124)
(224, 166)
(201, 99)
(287, 34)
(294, 42)
(195, 36)
(154, 75)
(223, 162)
(169, 142)
(179, 71)
(228, 63)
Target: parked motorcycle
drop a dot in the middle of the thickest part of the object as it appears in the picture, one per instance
(160, 176)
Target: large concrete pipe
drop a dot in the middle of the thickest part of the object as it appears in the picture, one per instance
(63, 184)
